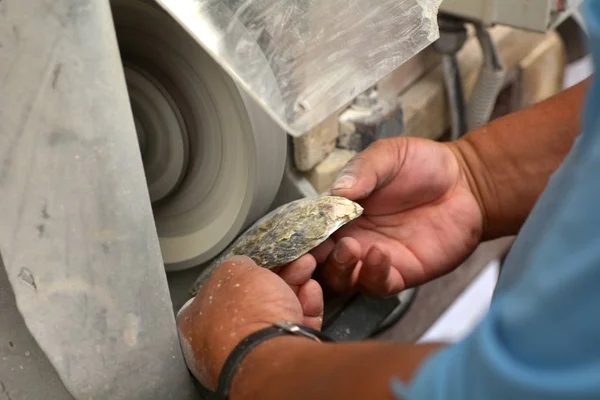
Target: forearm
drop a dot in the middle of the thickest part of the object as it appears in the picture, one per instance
(510, 160)
(296, 368)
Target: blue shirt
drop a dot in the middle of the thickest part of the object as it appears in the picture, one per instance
(541, 336)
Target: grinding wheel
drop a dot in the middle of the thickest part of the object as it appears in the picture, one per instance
(213, 158)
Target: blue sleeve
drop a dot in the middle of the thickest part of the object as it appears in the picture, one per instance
(541, 336)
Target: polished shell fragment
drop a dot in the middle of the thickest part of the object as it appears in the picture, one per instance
(288, 232)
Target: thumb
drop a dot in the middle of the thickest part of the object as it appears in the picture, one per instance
(233, 266)
(370, 169)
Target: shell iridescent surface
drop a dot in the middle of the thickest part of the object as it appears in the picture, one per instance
(288, 232)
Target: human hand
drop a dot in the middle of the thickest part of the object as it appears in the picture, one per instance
(421, 218)
(241, 298)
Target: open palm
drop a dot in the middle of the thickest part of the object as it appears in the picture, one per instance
(421, 218)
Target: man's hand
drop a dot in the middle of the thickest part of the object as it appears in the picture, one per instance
(428, 204)
(241, 298)
(421, 218)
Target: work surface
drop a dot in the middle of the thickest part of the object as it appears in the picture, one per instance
(436, 296)
(24, 359)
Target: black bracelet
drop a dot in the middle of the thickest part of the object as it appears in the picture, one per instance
(253, 340)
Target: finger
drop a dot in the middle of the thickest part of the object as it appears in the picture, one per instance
(313, 322)
(377, 278)
(238, 263)
(298, 272)
(370, 169)
(322, 251)
(232, 267)
(310, 296)
(337, 271)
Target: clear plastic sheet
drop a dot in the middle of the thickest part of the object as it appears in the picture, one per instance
(302, 60)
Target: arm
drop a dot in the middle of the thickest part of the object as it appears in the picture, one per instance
(539, 339)
(240, 298)
(296, 368)
(510, 160)
(428, 204)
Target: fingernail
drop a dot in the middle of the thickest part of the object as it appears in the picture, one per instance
(342, 255)
(344, 182)
(376, 257)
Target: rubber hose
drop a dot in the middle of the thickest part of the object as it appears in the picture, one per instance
(456, 96)
(489, 83)
(483, 98)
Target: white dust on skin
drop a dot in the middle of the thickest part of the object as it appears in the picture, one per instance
(185, 305)
(199, 369)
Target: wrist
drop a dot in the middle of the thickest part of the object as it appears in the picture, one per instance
(509, 161)
(269, 362)
(233, 364)
(474, 173)
(224, 343)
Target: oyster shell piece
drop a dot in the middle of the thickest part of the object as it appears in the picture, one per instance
(287, 233)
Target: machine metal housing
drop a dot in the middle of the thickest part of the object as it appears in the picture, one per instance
(535, 15)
